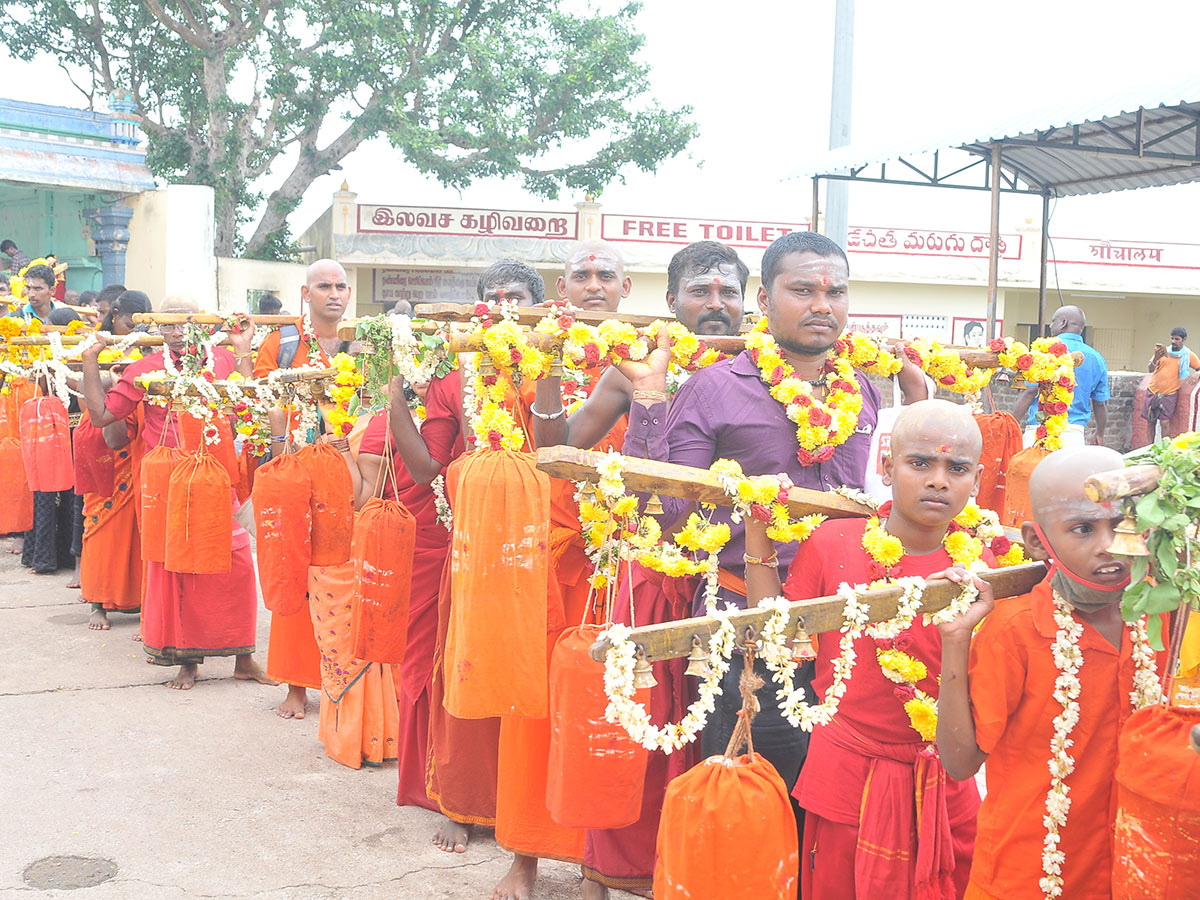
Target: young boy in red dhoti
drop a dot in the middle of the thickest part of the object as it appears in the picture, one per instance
(1041, 693)
(881, 817)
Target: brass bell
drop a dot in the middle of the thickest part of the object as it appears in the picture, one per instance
(643, 672)
(1127, 540)
(697, 660)
(802, 645)
(556, 363)
(654, 505)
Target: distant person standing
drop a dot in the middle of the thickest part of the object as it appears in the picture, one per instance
(1169, 367)
(270, 305)
(1091, 384)
(17, 258)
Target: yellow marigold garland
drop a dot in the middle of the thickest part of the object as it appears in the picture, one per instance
(341, 391)
(1048, 364)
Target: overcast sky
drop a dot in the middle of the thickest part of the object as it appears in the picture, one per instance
(757, 73)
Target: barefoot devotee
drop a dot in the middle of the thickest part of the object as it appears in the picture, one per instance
(881, 818)
(1001, 702)
(593, 279)
(706, 283)
(447, 763)
(185, 618)
(292, 654)
(110, 572)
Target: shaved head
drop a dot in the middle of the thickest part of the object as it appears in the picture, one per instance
(593, 247)
(594, 276)
(949, 426)
(180, 303)
(329, 268)
(1068, 318)
(1056, 485)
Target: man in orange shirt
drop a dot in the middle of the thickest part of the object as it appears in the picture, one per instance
(1056, 666)
(292, 654)
(1168, 368)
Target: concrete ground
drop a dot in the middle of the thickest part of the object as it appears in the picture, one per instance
(194, 794)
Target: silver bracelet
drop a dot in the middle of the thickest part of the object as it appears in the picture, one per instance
(546, 417)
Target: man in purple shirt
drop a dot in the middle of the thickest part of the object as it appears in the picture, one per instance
(726, 412)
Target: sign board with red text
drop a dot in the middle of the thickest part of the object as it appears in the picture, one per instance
(902, 241)
(467, 222)
(669, 230)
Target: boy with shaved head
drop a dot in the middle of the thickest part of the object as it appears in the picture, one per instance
(881, 818)
(1056, 666)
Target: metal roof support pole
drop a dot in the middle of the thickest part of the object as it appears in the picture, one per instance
(814, 222)
(1042, 262)
(993, 244)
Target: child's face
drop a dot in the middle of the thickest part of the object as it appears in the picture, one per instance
(932, 477)
(1080, 533)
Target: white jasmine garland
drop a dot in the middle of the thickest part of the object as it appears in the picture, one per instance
(780, 662)
(906, 611)
(623, 710)
(1068, 659)
(444, 514)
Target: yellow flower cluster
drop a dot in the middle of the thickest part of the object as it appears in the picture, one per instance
(764, 491)
(1013, 557)
(1048, 364)
(881, 546)
(946, 367)
(495, 428)
(698, 533)
(963, 548)
(622, 341)
(345, 384)
(821, 425)
(113, 354)
(899, 667)
(923, 715)
(688, 352)
(508, 348)
(869, 355)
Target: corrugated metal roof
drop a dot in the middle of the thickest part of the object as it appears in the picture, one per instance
(1169, 127)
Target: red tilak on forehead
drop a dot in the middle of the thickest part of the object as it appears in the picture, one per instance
(943, 448)
(592, 257)
(824, 281)
(717, 279)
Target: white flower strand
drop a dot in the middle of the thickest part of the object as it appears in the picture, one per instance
(444, 514)
(623, 710)
(1068, 659)
(780, 662)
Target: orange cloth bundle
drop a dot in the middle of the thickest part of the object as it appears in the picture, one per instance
(385, 535)
(727, 830)
(495, 660)
(94, 466)
(19, 390)
(585, 750)
(283, 523)
(1001, 442)
(46, 445)
(1017, 508)
(1156, 853)
(191, 439)
(157, 467)
(332, 503)
(16, 512)
(199, 517)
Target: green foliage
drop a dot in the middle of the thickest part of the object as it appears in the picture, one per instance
(463, 90)
(1168, 515)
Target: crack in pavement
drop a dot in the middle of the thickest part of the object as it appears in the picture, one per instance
(274, 891)
(108, 687)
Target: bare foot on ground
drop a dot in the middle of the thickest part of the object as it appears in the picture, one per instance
(186, 679)
(17, 546)
(295, 704)
(74, 584)
(246, 669)
(452, 836)
(98, 621)
(594, 890)
(518, 883)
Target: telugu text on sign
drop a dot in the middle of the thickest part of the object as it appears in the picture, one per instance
(467, 222)
(930, 243)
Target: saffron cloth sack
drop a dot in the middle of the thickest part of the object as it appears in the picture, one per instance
(495, 660)
(199, 517)
(282, 499)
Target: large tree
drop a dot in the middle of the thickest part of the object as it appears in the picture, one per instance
(230, 91)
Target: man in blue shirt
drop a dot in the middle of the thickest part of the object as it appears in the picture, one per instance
(1091, 384)
(39, 291)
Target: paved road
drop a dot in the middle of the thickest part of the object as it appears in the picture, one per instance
(194, 794)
